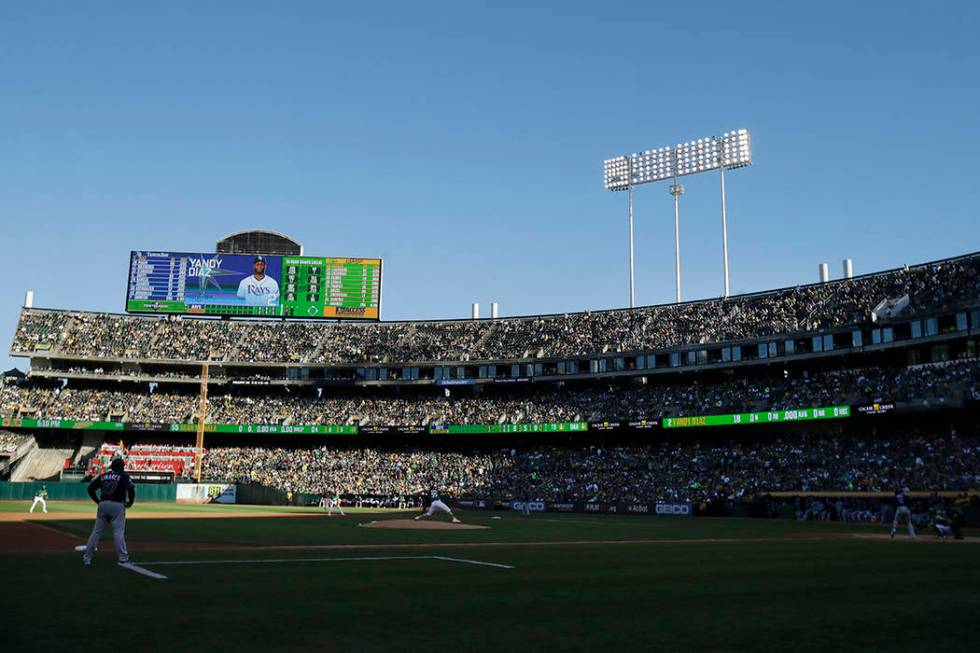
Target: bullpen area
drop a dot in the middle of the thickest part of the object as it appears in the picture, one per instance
(243, 578)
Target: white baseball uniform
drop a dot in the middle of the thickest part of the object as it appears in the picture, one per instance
(39, 498)
(437, 505)
(329, 504)
(259, 292)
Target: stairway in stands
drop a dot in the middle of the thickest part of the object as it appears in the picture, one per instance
(41, 465)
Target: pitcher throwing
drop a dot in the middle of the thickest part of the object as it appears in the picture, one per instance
(437, 504)
(116, 492)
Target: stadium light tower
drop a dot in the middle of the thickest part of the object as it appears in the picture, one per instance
(731, 150)
(677, 190)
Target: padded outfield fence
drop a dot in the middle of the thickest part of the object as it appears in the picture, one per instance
(60, 491)
(247, 493)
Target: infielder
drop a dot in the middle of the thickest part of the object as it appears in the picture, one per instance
(942, 524)
(116, 492)
(947, 525)
(437, 504)
(526, 503)
(258, 289)
(41, 496)
(328, 504)
(902, 510)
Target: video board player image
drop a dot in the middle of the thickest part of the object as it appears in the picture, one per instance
(176, 282)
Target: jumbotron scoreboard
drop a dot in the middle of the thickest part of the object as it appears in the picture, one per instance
(247, 285)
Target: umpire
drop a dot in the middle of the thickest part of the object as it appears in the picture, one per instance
(116, 492)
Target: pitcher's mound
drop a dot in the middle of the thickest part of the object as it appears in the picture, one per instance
(420, 525)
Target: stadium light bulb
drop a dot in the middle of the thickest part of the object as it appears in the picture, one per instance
(733, 149)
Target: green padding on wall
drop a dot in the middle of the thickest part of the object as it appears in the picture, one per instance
(261, 495)
(58, 491)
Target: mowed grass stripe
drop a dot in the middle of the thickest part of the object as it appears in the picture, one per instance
(808, 596)
(510, 528)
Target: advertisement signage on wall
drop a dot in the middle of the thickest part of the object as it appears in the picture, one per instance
(206, 492)
(532, 506)
(673, 509)
(770, 417)
(28, 423)
(547, 427)
(765, 417)
(270, 429)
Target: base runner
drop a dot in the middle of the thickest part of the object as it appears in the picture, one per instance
(436, 503)
(116, 492)
(41, 497)
(902, 510)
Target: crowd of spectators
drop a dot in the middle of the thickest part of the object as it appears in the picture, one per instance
(804, 308)
(9, 441)
(669, 471)
(551, 403)
(366, 471)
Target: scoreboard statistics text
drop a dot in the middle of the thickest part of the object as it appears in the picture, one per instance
(247, 285)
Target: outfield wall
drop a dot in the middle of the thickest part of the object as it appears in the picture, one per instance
(57, 491)
(657, 508)
(262, 495)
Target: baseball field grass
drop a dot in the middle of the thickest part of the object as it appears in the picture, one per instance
(293, 579)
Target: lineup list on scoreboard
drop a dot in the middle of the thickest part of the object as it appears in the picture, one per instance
(249, 285)
(160, 278)
(331, 287)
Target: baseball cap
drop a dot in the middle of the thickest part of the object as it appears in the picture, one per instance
(257, 259)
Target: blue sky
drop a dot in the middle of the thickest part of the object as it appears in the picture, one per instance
(463, 142)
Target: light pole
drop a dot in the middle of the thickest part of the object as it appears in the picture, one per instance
(629, 199)
(724, 230)
(677, 190)
(728, 151)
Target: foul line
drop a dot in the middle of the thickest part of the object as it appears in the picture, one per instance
(827, 537)
(283, 560)
(345, 559)
(473, 562)
(139, 570)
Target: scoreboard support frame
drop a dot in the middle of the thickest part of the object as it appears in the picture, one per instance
(201, 420)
